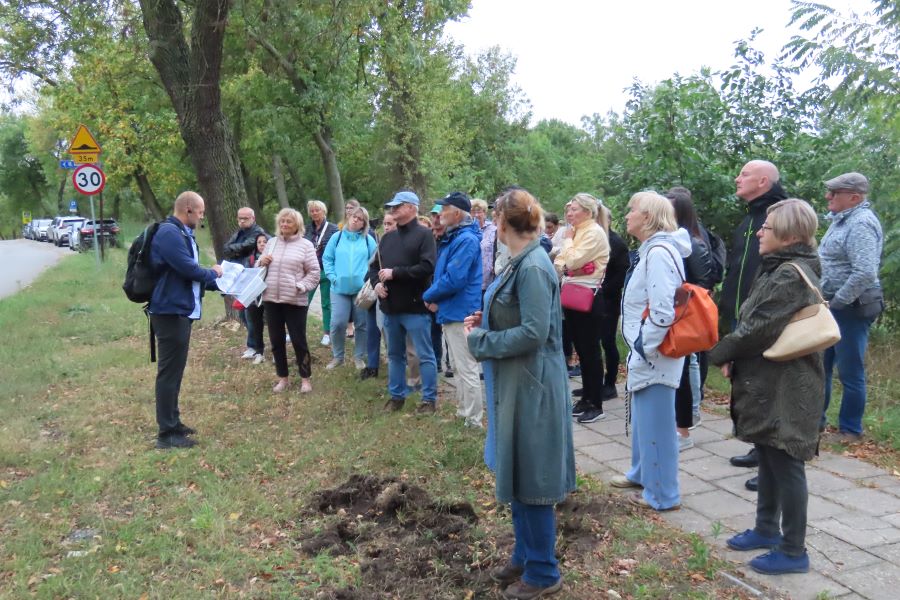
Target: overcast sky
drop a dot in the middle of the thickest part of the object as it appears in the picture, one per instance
(575, 57)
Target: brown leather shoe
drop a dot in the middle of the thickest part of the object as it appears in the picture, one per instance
(525, 591)
(507, 574)
(425, 408)
(394, 404)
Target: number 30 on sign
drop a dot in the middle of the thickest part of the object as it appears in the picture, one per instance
(89, 179)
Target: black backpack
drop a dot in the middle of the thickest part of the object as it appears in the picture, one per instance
(718, 254)
(140, 276)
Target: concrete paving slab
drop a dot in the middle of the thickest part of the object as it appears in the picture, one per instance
(735, 485)
(831, 555)
(688, 484)
(892, 519)
(847, 466)
(868, 500)
(703, 436)
(889, 552)
(727, 448)
(620, 466)
(710, 468)
(864, 531)
(689, 520)
(886, 483)
(821, 481)
(820, 507)
(724, 427)
(589, 466)
(607, 451)
(800, 586)
(587, 437)
(875, 582)
(692, 453)
(718, 504)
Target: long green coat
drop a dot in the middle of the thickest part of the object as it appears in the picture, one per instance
(523, 319)
(777, 404)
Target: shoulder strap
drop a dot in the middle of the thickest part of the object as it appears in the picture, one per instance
(675, 260)
(808, 282)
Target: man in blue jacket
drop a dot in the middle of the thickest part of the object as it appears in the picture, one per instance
(455, 293)
(174, 306)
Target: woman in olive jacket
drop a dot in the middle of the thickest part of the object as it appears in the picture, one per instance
(777, 405)
(520, 337)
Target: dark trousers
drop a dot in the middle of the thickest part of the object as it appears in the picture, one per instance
(437, 340)
(373, 338)
(585, 331)
(253, 319)
(279, 316)
(173, 338)
(567, 340)
(684, 397)
(782, 499)
(609, 325)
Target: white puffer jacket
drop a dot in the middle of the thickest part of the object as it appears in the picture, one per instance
(293, 272)
(653, 283)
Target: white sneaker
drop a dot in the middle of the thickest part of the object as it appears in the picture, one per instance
(249, 353)
(335, 362)
(698, 419)
(287, 338)
(360, 364)
(326, 340)
(259, 359)
(685, 442)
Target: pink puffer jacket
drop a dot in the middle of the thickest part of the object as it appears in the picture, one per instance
(293, 272)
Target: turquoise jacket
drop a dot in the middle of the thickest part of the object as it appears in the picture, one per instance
(522, 332)
(346, 260)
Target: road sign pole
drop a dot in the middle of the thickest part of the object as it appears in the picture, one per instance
(102, 243)
(94, 219)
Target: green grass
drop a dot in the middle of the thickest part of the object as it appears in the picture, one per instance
(76, 434)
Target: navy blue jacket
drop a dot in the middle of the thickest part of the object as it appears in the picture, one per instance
(173, 258)
(456, 288)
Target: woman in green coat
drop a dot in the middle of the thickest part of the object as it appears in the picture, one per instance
(777, 405)
(521, 333)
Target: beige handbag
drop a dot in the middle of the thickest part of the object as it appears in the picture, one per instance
(811, 329)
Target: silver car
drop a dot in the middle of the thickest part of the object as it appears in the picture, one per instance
(39, 229)
(58, 233)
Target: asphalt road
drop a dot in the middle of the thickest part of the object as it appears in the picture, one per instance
(23, 261)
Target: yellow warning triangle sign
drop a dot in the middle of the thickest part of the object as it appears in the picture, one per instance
(83, 142)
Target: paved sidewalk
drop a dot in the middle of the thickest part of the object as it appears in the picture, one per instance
(853, 536)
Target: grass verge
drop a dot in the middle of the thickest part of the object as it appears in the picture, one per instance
(89, 509)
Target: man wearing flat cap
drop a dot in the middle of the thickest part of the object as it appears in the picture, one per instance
(455, 294)
(850, 253)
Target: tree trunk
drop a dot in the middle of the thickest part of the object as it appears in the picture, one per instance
(322, 136)
(191, 76)
(278, 176)
(148, 197)
(61, 193)
(295, 177)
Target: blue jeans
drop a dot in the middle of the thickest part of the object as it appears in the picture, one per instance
(849, 355)
(535, 549)
(342, 309)
(654, 445)
(418, 328)
(252, 318)
(696, 385)
(373, 338)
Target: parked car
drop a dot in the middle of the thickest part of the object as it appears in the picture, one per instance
(39, 229)
(109, 231)
(26, 231)
(58, 233)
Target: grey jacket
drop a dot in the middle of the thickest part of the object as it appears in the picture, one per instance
(851, 255)
(522, 332)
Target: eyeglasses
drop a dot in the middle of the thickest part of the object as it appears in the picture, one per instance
(765, 228)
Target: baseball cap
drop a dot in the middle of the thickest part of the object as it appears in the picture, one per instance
(853, 182)
(436, 209)
(457, 199)
(405, 197)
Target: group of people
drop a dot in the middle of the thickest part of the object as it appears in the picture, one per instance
(498, 293)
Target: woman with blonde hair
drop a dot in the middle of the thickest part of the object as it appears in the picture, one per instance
(582, 261)
(652, 376)
(293, 271)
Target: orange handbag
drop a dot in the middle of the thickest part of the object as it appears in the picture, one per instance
(696, 324)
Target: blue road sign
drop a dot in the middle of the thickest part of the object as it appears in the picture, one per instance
(67, 164)
(73, 206)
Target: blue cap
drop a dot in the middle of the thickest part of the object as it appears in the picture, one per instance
(404, 198)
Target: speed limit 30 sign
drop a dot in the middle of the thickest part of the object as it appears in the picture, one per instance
(89, 179)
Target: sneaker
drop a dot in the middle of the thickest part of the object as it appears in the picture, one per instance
(685, 442)
(507, 574)
(182, 429)
(249, 353)
(622, 482)
(359, 363)
(174, 440)
(637, 499)
(575, 371)
(580, 408)
(448, 373)
(368, 373)
(473, 424)
(609, 392)
(326, 340)
(259, 359)
(779, 563)
(426, 408)
(697, 420)
(750, 540)
(335, 363)
(287, 338)
(394, 404)
(591, 415)
(521, 590)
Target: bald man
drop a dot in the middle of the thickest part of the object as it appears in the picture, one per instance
(758, 184)
(239, 248)
(174, 307)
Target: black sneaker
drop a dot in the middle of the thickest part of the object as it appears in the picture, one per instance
(426, 408)
(174, 440)
(609, 392)
(182, 429)
(580, 408)
(368, 373)
(578, 393)
(394, 404)
(590, 415)
(448, 373)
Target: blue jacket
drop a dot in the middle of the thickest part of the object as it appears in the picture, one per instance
(345, 261)
(456, 287)
(172, 256)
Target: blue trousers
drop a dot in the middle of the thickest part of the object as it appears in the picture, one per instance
(535, 549)
(342, 310)
(849, 355)
(654, 445)
(373, 338)
(418, 328)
